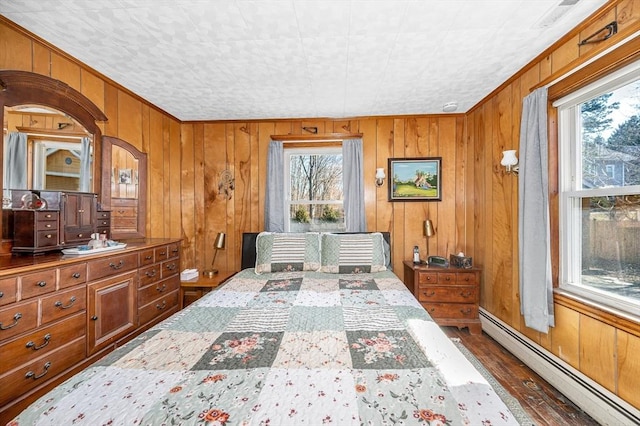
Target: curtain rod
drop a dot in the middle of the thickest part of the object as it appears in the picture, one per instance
(318, 137)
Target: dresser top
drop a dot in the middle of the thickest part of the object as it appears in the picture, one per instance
(20, 263)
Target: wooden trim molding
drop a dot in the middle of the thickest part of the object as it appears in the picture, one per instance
(622, 321)
(618, 58)
(52, 132)
(328, 137)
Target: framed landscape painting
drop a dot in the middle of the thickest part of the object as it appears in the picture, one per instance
(415, 179)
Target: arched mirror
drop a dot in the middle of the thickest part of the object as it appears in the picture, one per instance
(124, 182)
(60, 124)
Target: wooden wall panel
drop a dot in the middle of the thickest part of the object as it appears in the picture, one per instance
(587, 342)
(63, 68)
(41, 59)
(628, 367)
(15, 50)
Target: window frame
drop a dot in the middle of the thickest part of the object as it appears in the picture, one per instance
(307, 150)
(571, 196)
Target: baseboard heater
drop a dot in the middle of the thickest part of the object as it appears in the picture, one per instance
(600, 403)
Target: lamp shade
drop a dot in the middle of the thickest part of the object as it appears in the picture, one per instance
(509, 158)
(380, 173)
(429, 231)
(220, 239)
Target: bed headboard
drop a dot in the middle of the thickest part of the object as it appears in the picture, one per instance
(249, 247)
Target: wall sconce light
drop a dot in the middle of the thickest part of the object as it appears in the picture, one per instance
(380, 176)
(429, 231)
(217, 245)
(510, 161)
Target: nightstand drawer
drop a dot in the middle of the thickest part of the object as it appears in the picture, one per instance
(452, 310)
(448, 294)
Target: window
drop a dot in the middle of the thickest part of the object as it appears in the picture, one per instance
(599, 138)
(313, 192)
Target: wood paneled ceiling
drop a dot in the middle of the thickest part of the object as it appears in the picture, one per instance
(265, 59)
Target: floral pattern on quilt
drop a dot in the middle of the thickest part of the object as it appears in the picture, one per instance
(284, 348)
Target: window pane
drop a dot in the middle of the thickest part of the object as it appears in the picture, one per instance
(611, 244)
(316, 177)
(610, 126)
(316, 218)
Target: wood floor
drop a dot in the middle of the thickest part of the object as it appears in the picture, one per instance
(542, 402)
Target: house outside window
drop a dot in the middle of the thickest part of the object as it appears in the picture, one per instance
(599, 141)
(314, 190)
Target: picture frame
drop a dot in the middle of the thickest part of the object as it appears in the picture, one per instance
(124, 176)
(415, 179)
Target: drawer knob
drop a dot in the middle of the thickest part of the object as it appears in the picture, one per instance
(148, 257)
(41, 283)
(151, 273)
(32, 345)
(79, 235)
(48, 225)
(116, 266)
(1, 293)
(48, 236)
(465, 311)
(433, 293)
(428, 278)
(16, 318)
(161, 307)
(59, 304)
(175, 250)
(171, 266)
(76, 275)
(161, 289)
(35, 376)
(94, 318)
(48, 216)
(465, 293)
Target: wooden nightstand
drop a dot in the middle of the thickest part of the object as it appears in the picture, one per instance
(194, 289)
(450, 295)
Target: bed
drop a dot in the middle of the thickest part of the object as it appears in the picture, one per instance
(300, 342)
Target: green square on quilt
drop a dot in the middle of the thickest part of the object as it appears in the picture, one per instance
(352, 253)
(287, 251)
(388, 349)
(284, 284)
(312, 318)
(233, 351)
(357, 284)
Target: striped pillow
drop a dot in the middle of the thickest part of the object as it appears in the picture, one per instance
(282, 252)
(352, 253)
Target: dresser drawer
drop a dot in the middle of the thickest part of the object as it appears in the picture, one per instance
(73, 275)
(37, 372)
(103, 214)
(78, 235)
(8, 290)
(427, 278)
(37, 283)
(158, 307)
(156, 290)
(149, 274)
(124, 212)
(41, 341)
(102, 268)
(161, 253)
(173, 250)
(452, 310)
(18, 318)
(63, 303)
(169, 268)
(46, 217)
(146, 257)
(47, 225)
(454, 294)
(46, 238)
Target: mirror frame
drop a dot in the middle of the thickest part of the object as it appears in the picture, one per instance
(107, 143)
(28, 88)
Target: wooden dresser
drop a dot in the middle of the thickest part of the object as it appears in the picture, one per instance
(450, 295)
(59, 313)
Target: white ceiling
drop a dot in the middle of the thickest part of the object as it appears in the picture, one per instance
(253, 59)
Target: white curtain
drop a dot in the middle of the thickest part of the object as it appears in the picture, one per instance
(353, 182)
(15, 172)
(85, 165)
(536, 287)
(274, 197)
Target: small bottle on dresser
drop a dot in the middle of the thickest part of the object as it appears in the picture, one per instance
(416, 254)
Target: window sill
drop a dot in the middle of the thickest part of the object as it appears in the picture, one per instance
(615, 318)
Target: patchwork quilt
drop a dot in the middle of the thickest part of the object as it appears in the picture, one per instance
(289, 348)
